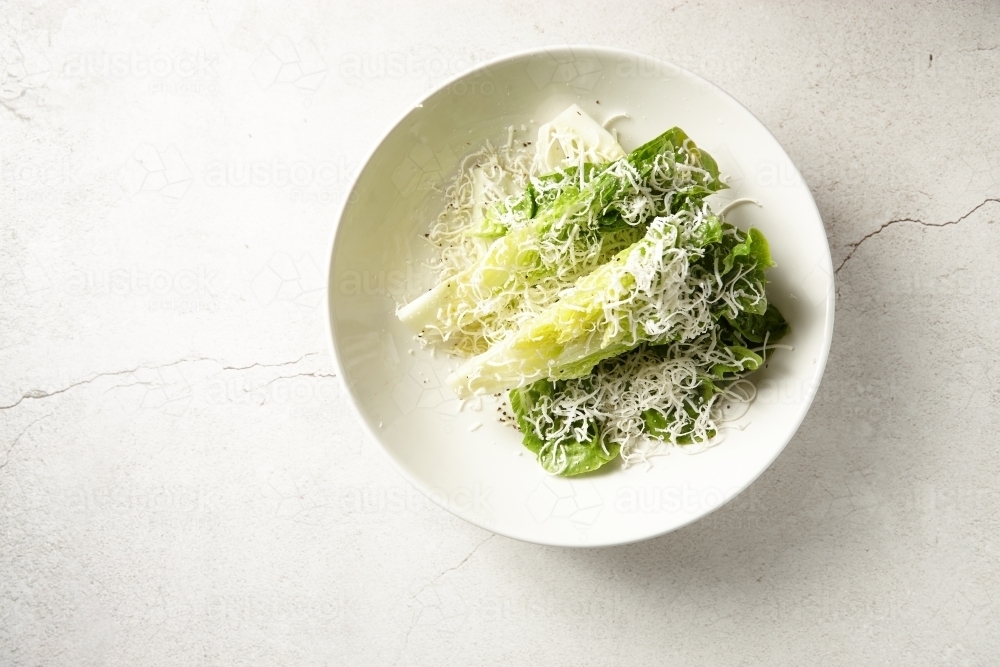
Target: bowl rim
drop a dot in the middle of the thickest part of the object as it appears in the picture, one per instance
(328, 313)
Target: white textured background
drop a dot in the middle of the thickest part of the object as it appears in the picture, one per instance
(182, 483)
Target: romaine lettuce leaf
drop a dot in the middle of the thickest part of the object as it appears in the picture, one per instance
(667, 426)
(565, 454)
(643, 294)
(771, 326)
(580, 213)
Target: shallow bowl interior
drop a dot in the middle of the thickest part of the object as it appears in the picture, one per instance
(467, 460)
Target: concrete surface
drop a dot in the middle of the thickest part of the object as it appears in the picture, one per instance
(181, 482)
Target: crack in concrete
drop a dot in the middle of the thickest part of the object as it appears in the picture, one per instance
(452, 569)
(297, 375)
(979, 49)
(406, 637)
(18, 439)
(857, 244)
(258, 365)
(300, 375)
(40, 394)
(5, 103)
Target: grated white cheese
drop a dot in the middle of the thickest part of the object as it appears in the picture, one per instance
(480, 298)
(658, 294)
(625, 387)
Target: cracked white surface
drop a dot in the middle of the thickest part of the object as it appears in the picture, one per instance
(182, 483)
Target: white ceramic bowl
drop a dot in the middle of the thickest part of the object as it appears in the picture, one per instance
(482, 473)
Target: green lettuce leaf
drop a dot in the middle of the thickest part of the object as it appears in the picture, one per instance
(497, 219)
(771, 326)
(659, 425)
(565, 456)
(744, 360)
(576, 211)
